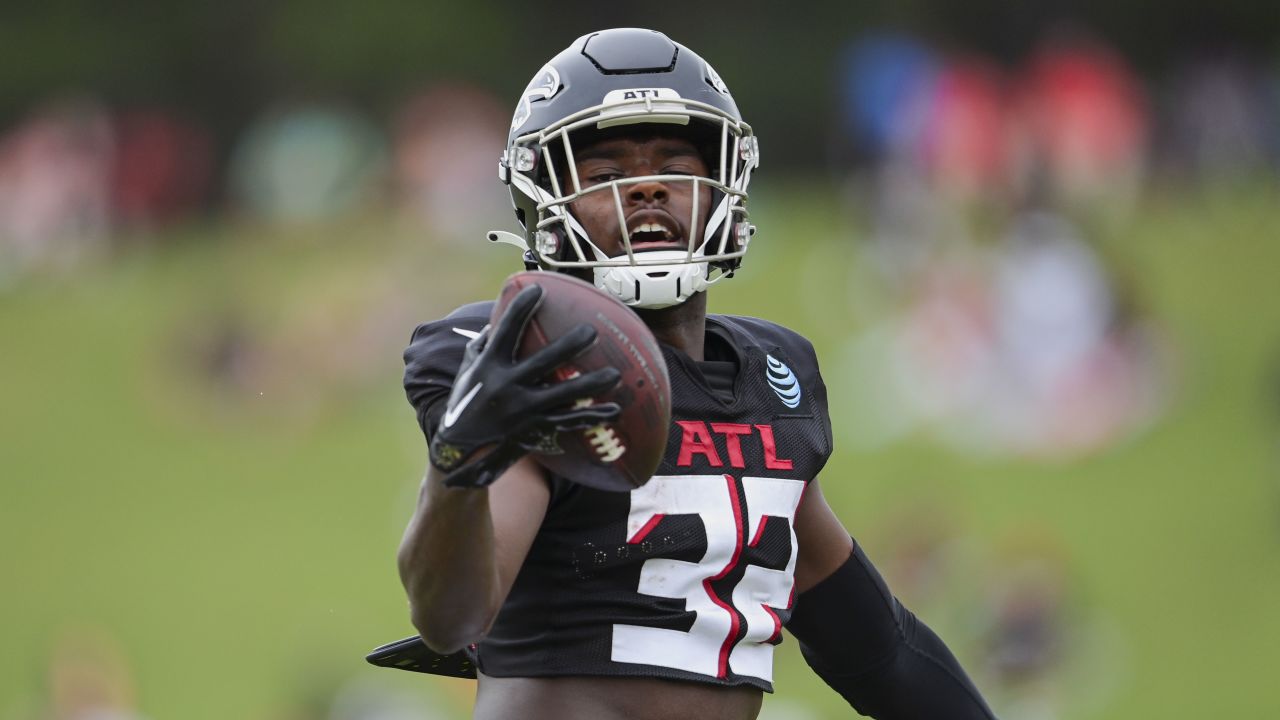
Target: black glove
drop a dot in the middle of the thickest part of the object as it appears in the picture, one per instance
(498, 401)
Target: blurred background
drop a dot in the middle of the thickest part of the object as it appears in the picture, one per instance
(1034, 244)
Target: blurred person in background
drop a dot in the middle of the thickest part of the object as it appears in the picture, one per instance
(673, 629)
(75, 173)
(55, 189)
(308, 163)
(90, 677)
(162, 169)
(1082, 126)
(1024, 348)
(1005, 342)
(443, 141)
(1223, 120)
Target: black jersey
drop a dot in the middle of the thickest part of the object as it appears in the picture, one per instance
(689, 577)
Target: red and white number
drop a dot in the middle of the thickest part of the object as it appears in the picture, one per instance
(709, 647)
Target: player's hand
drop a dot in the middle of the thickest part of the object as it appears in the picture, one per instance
(500, 408)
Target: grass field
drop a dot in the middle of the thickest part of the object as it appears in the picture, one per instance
(205, 454)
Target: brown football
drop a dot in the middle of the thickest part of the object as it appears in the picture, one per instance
(623, 454)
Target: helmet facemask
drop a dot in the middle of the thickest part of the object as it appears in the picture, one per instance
(543, 168)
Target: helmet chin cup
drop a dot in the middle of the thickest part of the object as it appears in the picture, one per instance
(652, 287)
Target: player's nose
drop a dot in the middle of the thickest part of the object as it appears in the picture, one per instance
(647, 192)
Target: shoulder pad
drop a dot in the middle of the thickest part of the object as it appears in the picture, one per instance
(764, 334)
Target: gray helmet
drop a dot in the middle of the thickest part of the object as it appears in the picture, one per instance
(616, 78)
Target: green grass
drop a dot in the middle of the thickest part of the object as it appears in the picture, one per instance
(237, 538)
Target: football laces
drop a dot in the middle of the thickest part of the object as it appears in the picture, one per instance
(605, 442)
(602, 439)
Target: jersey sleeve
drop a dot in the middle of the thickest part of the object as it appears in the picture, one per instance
(805, 357)
(433, 357)
(819, 393)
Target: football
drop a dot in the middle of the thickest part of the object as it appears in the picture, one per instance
(623, 454)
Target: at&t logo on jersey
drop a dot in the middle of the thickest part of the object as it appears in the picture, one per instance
(784, 382)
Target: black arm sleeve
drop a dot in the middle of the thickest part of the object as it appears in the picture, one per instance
(869, 648)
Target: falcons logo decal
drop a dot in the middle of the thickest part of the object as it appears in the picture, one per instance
(545, 85)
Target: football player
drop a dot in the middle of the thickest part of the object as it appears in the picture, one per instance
(628, 163)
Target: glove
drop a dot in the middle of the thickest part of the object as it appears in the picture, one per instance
(499, 403)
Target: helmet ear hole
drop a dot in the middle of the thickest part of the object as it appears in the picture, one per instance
(550, 242)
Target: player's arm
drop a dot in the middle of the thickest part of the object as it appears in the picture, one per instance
(462, 550)
(860, 640)
(482, 499)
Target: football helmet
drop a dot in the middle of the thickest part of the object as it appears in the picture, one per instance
(611, 79)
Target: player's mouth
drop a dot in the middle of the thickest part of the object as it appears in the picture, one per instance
(647, 230)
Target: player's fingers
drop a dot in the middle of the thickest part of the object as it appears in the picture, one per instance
(585, 417)
(561, 350)
(514, 319)
(568, 392)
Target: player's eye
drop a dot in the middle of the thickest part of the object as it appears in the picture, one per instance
(604, 176)
(682, 167)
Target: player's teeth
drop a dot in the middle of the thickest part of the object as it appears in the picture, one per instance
(650, 227)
